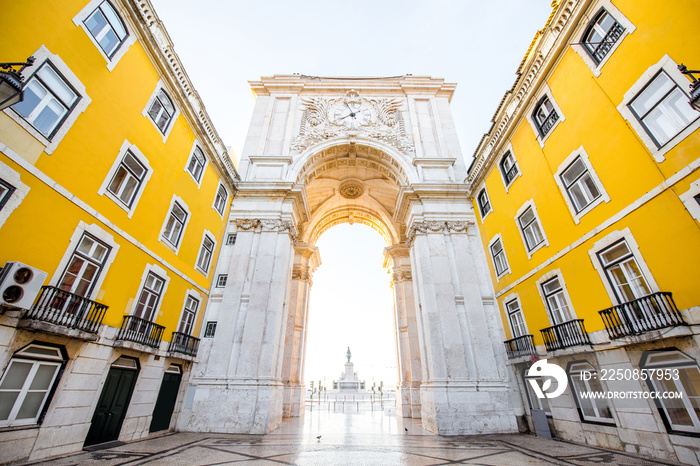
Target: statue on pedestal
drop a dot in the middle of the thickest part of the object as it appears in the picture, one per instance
(349, 354)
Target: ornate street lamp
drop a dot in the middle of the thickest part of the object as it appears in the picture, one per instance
(694, 86)
(11, 83)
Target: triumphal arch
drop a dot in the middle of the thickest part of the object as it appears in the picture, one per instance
(382, 152)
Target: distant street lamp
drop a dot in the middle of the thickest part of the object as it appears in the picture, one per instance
(694, 86)
(11, 83)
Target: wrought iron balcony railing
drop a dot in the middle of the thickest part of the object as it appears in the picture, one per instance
(140, 331)
(520, 346)
(652, 312)
(608, 41)
(183, 343)
(70, 310)
(548, 123)
(571, 333)
(511, 173)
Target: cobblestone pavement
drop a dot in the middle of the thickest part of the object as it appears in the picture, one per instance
(376, 438)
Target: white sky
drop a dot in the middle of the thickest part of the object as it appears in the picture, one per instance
(477, 44)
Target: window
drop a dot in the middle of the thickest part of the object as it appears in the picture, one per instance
(623, 272)
(107, 28)
(84, 266)
(590, 409)
(127, 180)
(545, 116)
(679, 414)
(601, 35)
(231, 239)
(482, 200)
(221, 280)
(500, 262)
(210, 330)
(162, 111)
(516, 318)
(48, 100)
(509, 167)
(662, 109)
(149, 298)
(195, 167)
(531, 229)
(188, 315)
(28, 382)
(220, 199)
(175, 224)
(556, 301)
(579, 185)
(205, 254)
(6, 190)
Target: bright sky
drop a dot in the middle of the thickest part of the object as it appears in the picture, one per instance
(477, 44)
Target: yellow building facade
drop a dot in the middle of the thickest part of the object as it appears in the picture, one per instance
(587, 193)
(114, 194)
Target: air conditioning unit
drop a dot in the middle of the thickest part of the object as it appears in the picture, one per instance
(20, 284)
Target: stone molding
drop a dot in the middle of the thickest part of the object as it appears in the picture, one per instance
(267, 224)
(435, 226)
(302, 273)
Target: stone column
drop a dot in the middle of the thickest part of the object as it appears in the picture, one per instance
(237, 388)
(306, 260)
(465, 386)
(398, 262)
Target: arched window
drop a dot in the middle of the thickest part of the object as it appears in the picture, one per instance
(484, 205)
(162, 111)
(601, 35)
(545, 116)
(509, 167)
(107, 27)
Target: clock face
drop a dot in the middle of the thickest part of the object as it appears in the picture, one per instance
(352, 115)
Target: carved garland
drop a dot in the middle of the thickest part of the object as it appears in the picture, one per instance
(267, 224)
(435, 226)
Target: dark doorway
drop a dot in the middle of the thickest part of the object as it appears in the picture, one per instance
(167, 396)
(114, 401)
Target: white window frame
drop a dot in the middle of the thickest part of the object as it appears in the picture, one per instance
(216, 196)
(195, 146)
(101, 235)
(580, 48)
(521, 211)
(41, 56)
(193, 294)
(545, 91)
(161, 237)
(161, 86)
(506, 184)
(575, 368)
(509, 299)
(79, 20)
(206, 235)
(507, 271)
(230, 239)
(478, 206)
(687, 198)
(163, 275)
(138, 155)
(552, 274)
(671, 68)
(608, 241)
(219, 277)
(21, 190)
(604, 197)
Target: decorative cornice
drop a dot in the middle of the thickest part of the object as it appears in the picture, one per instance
(435, 226)
(267, 224)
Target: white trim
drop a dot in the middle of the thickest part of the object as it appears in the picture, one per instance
(478, 207)
(21, 190)
(604, 197)
(101, 235)
(183, 205)
(586, 21)
(507, 271)
(103, 191)
(508, 148)
(521, 210)
(609, 240)
(160, 85)
(688, 199)
(162, 274)
(187, 163)
(671, 68)
(504, 302)
(79, 20)
(534, 103)
(210, 235)
(41, 56)
(195, 295)
(556, 273)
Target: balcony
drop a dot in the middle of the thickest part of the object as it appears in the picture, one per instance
(560, 336)
(69, 310)
(140, 331)
(604, 46)
(548, 123)
(183, 343)
(652, 312)
(520, 346)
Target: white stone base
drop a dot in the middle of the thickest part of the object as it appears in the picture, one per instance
(408, 402)
(294, 395)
